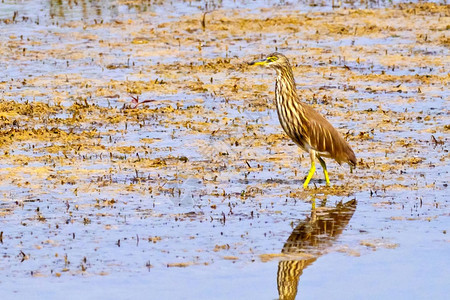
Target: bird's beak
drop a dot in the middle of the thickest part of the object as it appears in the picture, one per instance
(258, 62)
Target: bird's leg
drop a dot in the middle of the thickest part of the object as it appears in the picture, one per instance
(324, 167)
(313, 210)
(312, 154)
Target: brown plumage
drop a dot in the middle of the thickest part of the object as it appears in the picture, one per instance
(306, 127)
(325, 139)
(308, 241)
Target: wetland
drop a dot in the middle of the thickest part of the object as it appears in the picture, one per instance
(141, 156)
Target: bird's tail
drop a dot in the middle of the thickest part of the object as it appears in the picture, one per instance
(351, 158)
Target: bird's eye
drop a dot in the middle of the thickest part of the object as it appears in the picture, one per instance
(271, 59)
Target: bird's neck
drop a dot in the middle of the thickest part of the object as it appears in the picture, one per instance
(285, 85)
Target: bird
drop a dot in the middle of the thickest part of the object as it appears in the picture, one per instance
(305, 126)
(309, 240)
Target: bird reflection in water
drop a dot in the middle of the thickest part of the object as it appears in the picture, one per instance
(308, 241)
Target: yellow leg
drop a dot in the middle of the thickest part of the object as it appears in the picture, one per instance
(325, 172)
(311, 170)
(313, 211)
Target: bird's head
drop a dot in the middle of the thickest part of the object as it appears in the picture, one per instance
(274, 60)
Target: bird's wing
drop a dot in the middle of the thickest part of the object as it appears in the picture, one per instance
(324, 138)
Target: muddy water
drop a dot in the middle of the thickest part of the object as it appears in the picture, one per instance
(197, 193)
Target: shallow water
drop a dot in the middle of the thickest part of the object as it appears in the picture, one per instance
(195, 193)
